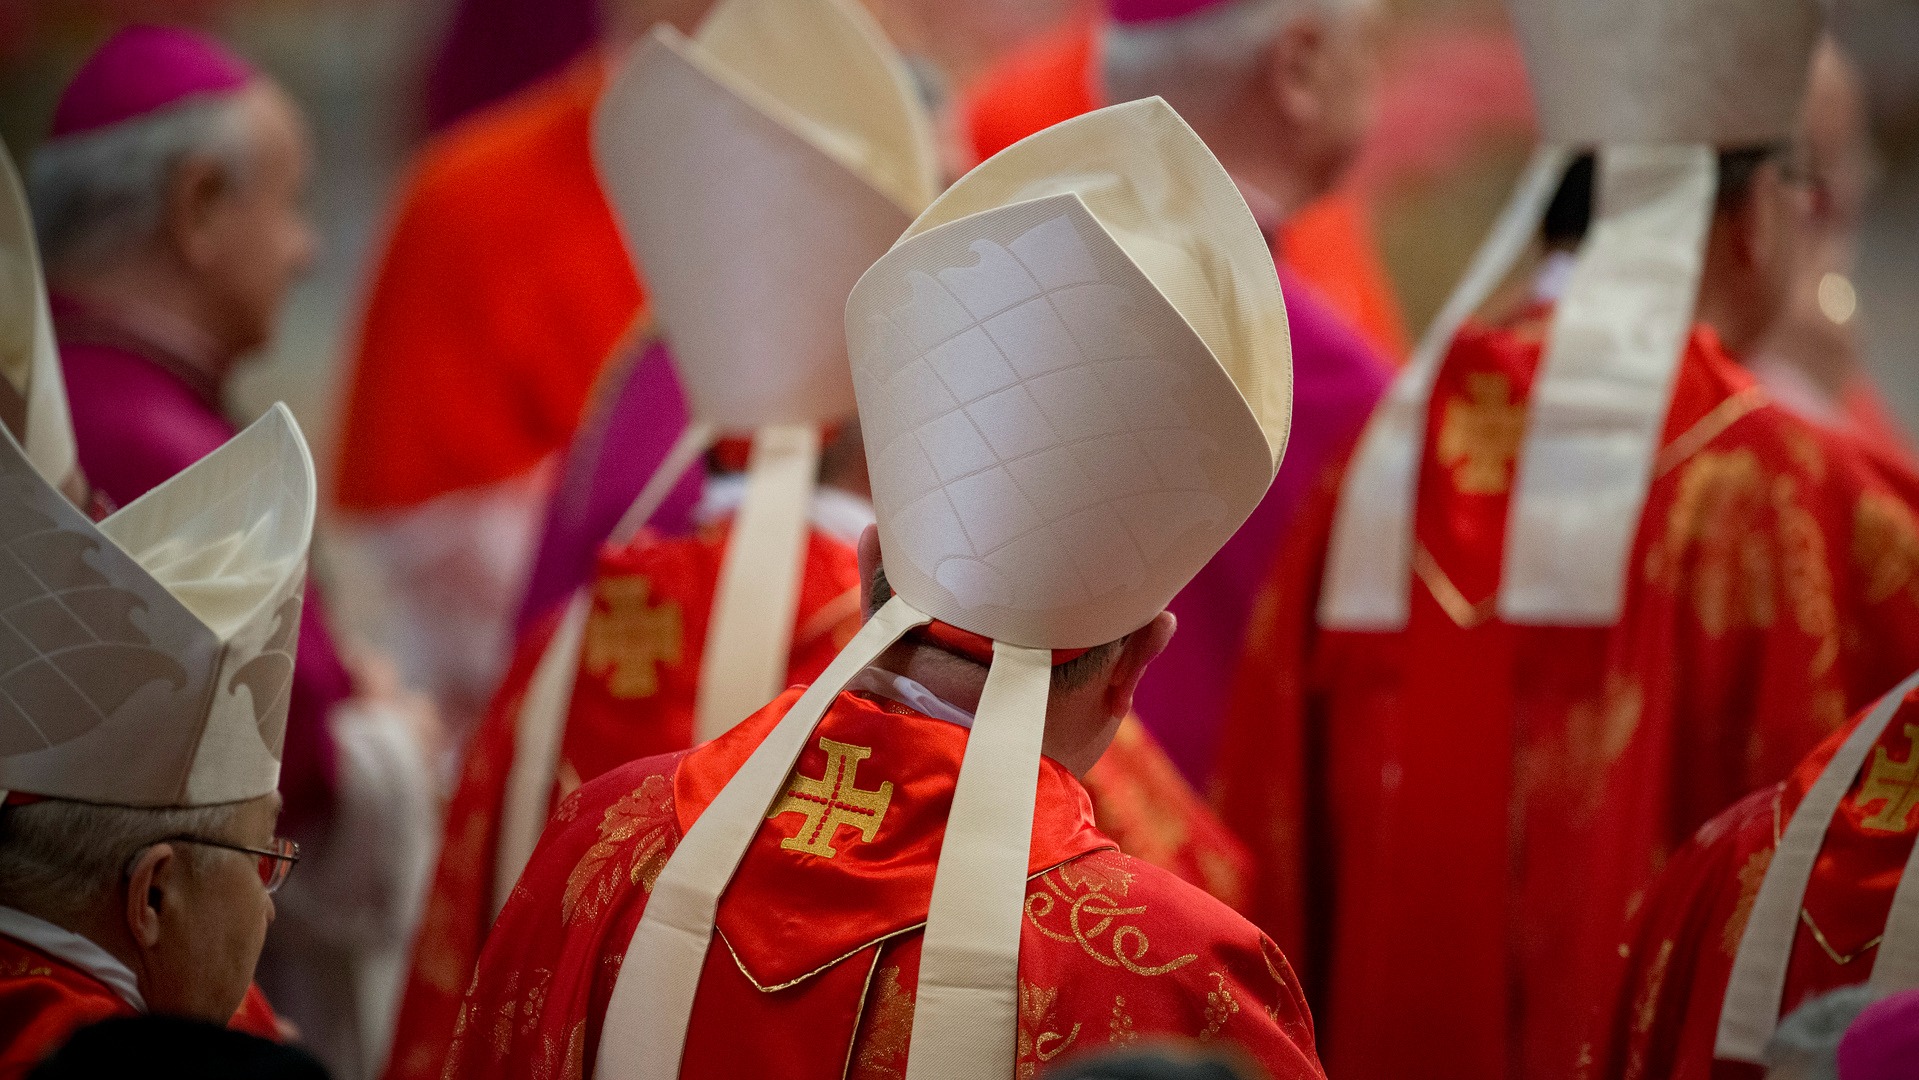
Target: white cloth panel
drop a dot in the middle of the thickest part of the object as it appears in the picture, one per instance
(29, 360)
(1369, 563)
(538, 732)
(1599, 401)
(966, 1011)
(1750, 1012)
(750, 633)
(1897, 965)
(644, 1034)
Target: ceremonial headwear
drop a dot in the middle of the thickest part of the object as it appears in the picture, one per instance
(33, 396)
(143, 69)
(1756, 985)
(1074, 382)
(1883, 1043)
(756, 171)
(1129, 12)
(1656, 86)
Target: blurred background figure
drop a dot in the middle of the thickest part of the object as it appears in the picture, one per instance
(1806, 1046)
(165, 1047)
(167, 201)
(1883, 1041)
(1167, 1061)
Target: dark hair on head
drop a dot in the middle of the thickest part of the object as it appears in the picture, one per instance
(1071, 675)
(173, 1048)
(1170, 1061)
(1569, 214)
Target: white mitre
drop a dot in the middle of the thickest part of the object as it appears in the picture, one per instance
(1755, 988)
(1656, 87)
(1074, 379)
(147, 660)
(33, 396)
(756, 171)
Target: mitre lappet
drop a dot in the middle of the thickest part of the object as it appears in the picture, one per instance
(33, 395)
(1074, 382)
(1749, 1014)
(756, 170)
(1655, 88)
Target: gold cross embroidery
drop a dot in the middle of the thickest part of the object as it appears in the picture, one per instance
(1479, 439)
(1897, 782)
(627, 640)
(833, 801)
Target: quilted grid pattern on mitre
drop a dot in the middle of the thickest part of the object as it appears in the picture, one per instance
(1035, 448)
(71, 651)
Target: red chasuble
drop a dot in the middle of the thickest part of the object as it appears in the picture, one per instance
(503, 288)
(44, 999)
(815, 961)
(635, 698)
(1453, 822)
(1666, 1014)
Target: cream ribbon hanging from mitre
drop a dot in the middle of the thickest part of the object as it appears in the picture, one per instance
(1074, 380)
(1656, 86)
(33, 396)
(1755, 988)
(756, 170)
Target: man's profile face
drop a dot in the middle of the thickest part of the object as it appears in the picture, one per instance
(214, 916)
(259, 239)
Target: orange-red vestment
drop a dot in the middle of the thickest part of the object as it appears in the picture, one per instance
(1055, 77)
(503, 288)
(813, 970)
(45, 999)
(1454, 821)
(1666, 1015)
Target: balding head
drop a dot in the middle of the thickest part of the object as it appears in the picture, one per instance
(1281, 90)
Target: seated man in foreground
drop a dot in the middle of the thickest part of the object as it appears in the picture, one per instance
(895, 904)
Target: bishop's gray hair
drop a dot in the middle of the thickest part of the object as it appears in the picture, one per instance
(1202, 56)
(99, 194)
(58, 858)
(1806, 1044)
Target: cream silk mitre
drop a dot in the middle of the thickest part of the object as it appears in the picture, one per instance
(756, 171)
(1074, 382)
(33, 396)
(148, 659)
(1655, 87)
(1750, 1012)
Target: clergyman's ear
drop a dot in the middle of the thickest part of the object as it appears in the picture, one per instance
(1142, 648)
(147, 881)
(1294, 60)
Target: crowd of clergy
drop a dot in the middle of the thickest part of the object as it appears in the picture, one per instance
(883, 578)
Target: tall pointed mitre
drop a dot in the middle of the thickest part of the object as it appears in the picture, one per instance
(147, 660)
(1749, 1013)
(756, 170)
(1655, 87)
(1075, 383)
(33, 397)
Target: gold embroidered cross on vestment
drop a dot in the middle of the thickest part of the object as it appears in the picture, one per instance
(1478, 439)
(628, 639)
(1896, 782)
(833, 801)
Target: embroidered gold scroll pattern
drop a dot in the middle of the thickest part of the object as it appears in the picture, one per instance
(1751, 876)
(833, 801)
(1646, 1008)
(632, 848)
(1885, 546)
(1893, 784)
(882, 1052)
(1040, 1039)
(1221, 1006)
(1479, 435)
(1119, 1029)
(1074, 905)
(628, 639)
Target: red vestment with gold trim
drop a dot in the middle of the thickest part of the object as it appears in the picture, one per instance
(814, 964)
(44, 999)
(1666, 1015)
(1453, 822)
(635, 697)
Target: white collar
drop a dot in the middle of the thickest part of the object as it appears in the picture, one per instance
(839, 514)
(894, 687)
(64, 944)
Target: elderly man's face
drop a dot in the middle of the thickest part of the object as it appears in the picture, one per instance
(252, 242)
(209, 913)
